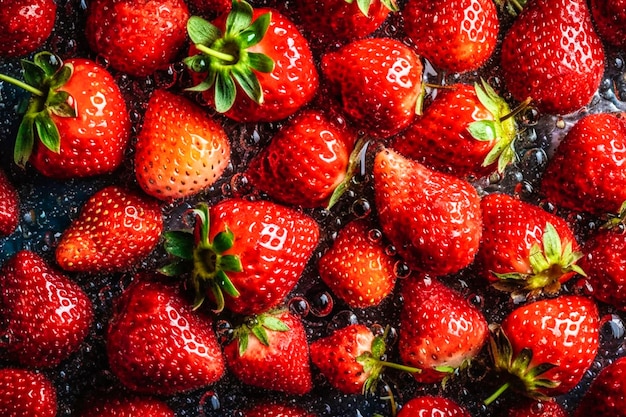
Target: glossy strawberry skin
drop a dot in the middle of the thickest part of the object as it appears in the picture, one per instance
(129, 407)
(276, 410)
(609, 17)
(26, 393)
(9, 206)
(45, 315)
(26, 25)
(536, 408)
(156, 344)
(180, 150)
(605, 396)
(431, 406)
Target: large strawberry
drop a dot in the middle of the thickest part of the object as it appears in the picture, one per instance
(156, 344)
(272, 409)
(609, 17)
(377, 82)
(128, 407)
(44, 315)
(606, 394)
(429, 405)
(25, 393)
(26, 24)
(245, 255)
(115, 230)
(253, 65)
(180, 150)
(596, 146)
(9, 206)
(455, 36)
(553, 55)
(433, 219)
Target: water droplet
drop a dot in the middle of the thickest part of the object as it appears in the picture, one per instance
(321, 304)
(612, 331)
(361, 208)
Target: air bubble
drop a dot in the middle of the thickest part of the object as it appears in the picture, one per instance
(321, 304)
(209, 401)
(612, 331)
(361, 208)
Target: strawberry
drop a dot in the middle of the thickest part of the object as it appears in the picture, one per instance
(440, 331)
(26, 25)
(543, 349)
(357, 268)
(115, 230)
(455, 36)
(128, 407)
(78, 115)
(246, 255)
(606, 394)
(270, 351)
(377, 82)
(306, 161)
(45, 315)
(432, 219)
(9, 206)
(276, 410)
(609, 17)
(466, 131)
(26, 393)
(210, 8)
(553, 55)
(432, 406)
(137, 37)
(156, 344)
(596, 146)
(253, 65)
(180, 150)
(538, 408)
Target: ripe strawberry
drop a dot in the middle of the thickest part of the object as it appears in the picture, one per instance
(466, 131)
(137, 37)
(128, 407)
(432, 406)
(440, 331)
(9, 206)
(455, 36)
(606, 394)
(180, 150)
(115, 230)
(253, 65)
(45, 315)
(609, 17)
(26, 25)
(270, 351)
(357, 269)
(553, 55)
(245, 255)
(377, 82)
(276, 410)
(432, 219)
(595, 145)
(524, 248)
(156, 344)
(26, 393)
(210, 9)
(538, 408)
(544, 348)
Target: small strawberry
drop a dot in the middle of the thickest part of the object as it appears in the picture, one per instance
(455, 36)
(253, 65)
(377, 82)
(128, 407)
(553, 55)
(26, 25)
(538, 408)
(432, 219)
(156, 344)
(9, 206)
(606, 394)
(180, 150)
(115, 230)
(357, 268)
(596, 146)
(270, 351)
(44, 315)
(432, 406)
(25, 393)
(276, 410)
(245, 255)
(609, 17)
(440, 331)
(137, 37)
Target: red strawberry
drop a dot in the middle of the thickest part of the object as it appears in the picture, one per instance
(26, 393)
(544, 348)
(455, 36)
(276, 410)
(440, 331)
(129, 407)
(246, 255)
(463, 132)
(115, 230)
(210, 8)
(9, 206)
(270, 351)
(26, 24)
(538, 408)
(357, 268)
(137, 37)
(606, 394)
(553, 55)
(432, 219)
(377, 82)
(180, 150)
(254, 65)
(596, 146)
(45, 315)
(433, 406)
(609, 17)
(156, 344)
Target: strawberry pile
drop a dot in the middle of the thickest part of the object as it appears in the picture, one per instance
(313, 208)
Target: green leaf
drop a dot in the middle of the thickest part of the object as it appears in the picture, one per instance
(483, 130)
(552, 245)
(249, 83)
(392, 5)
(216, 290)
(242, 341)
(253, 34)
(33, 74)
(231, 263)
(61, 77)
(205, 85)
(260, 333)
(177, 268)
(202, 220)
(202, 31)
(260, 62)
(47, 131)
(179, 243)
(538, 260)
(364, 6)
(487, 97)
(275, 324)
(378, 347)
(226, 284)
(48, 62)
(58, 103)
(25, 141)
(223, 241)
(198, 63)
(239, 17)
(225, 92)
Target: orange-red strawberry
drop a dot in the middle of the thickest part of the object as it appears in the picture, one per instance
(115, 230)
(270, 409)
(433, 219)
(432, 406)
(26, 25)
(26, 393)
(180, 150)
(609, 17)
(606, 394)
(45, 315)
(9, 206)
(128, 407)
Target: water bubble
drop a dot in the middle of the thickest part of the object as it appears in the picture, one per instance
(342, 319)
(612, 331)
(321, 304)
(401, 269)
(361, 208)
(209, 401)
(299, 306)
(224, 330)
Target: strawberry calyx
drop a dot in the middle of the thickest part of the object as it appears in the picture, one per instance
(616, 220)
(257, 326)
(225, 57)
(43, 76)
(512, 7)
(355, 161)
(364, 5)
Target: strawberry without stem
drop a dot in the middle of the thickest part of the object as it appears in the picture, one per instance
(276, 410)
(432, 406)
(26, 24)
(609, 17)
(9, 206)
(129, 407)
(26, 393)
(606, 394)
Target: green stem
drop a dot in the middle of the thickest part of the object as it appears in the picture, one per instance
(22, 84)
(216, 54)
(399, 367)
(523, 105)
(496, 394)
